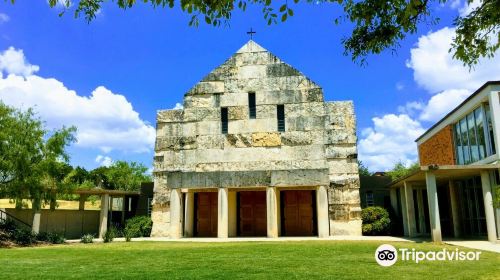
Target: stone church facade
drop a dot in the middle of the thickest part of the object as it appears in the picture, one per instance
(256, 151)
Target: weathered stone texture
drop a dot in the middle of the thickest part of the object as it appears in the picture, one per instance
(207, 87)
(318, 147)
(169, 116)
(243, 140)
(238, 113)
(161, 220)
(266, 139)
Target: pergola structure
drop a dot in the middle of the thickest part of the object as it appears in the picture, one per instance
(427, 178)
(106, 203)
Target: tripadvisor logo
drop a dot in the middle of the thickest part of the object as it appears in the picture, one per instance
(387, 255)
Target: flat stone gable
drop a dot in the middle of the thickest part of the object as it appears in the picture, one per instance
(317, 148)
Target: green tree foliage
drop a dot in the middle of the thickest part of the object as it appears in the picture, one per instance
(363, 170)
(121, 175)
(378, 25)
(33, 162)
(400, 170)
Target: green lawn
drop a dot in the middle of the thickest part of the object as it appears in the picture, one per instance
(263, 260)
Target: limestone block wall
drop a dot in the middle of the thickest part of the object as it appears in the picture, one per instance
(439, 149)
(341, 156)
(319, 141)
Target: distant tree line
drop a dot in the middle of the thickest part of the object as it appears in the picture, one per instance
(34, 163)
(400, 170)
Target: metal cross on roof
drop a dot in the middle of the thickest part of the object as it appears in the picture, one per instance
(251, 32)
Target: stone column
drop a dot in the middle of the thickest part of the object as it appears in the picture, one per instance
(189, 214)
(410, 210)
(402, 197)
(272, 212)
(421, 211)
(432, 198)
(232, 211)
(222, 213)
(322, 212)
(488, 206)
(457, 232)
(394, 201)
(175, 213)
(103, 217)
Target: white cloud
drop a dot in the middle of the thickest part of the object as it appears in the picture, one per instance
(410, 108)
(442, 103)
(435, 69)
(468, 8)
(178, 106)
(104, 160)
(13, 61)
(391, 139)
(4, 18)
(105, 120)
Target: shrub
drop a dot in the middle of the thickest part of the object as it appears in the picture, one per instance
(43, 236)
(24, 237)
(87, 238)
(139, 226)
(109, 235)
(128, 234)
(51, 237)
(8, 226)
(56, 238)
(376, 221)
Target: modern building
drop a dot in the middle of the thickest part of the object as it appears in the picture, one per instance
(453, 192)
(256, 151)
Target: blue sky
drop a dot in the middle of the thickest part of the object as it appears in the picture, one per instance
(116, 72)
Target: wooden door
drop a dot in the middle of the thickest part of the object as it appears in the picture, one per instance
(252, 213)
(298, 211)
(206, 214)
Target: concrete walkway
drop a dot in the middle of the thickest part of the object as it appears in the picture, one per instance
(265, 239)
(476, 244)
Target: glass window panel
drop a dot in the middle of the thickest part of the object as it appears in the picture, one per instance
(472, 138)
(458, 145)
(465, 140)
(481, 142)
(490, 130)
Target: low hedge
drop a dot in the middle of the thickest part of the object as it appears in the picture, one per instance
(139, 226)
(376, 221)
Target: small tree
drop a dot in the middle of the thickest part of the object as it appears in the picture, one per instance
(127, 176)
(363, 170)
(400, 170)
(33, 162)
